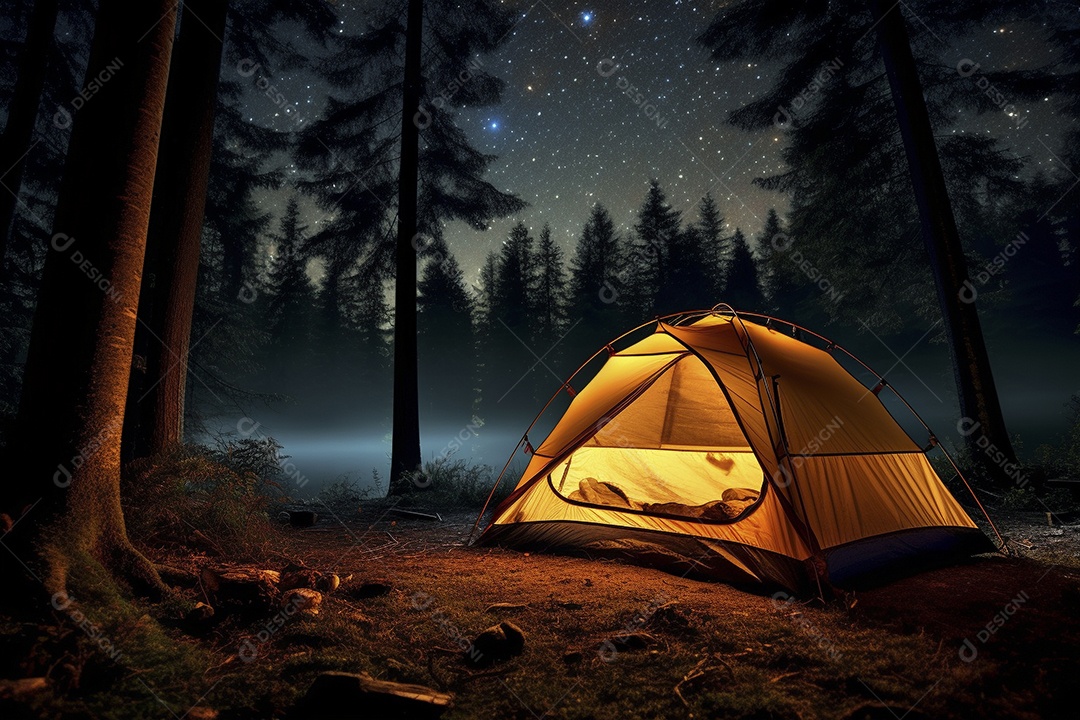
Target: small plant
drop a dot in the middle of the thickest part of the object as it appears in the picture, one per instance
(1017, 498)
(342, 491)
(376, 489)
(455, 483)
(1027, 499)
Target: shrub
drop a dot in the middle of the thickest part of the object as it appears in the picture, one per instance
(456, 483)
(345, 491)
(1027, 499)
(223, 493)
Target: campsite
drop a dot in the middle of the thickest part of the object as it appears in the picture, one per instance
(565, 359)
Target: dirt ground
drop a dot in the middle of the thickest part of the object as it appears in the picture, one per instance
(995, 637)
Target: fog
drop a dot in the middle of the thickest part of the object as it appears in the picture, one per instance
(1035, 375)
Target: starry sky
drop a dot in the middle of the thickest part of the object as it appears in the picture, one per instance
(567, 134)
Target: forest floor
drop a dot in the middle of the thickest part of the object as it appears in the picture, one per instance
(996, 637)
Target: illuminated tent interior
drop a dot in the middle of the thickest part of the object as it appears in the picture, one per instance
(721, 446)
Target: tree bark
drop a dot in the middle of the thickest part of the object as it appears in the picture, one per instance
(22, 111)
(405, 445)
(154, 420)
(983, 425)
(66, 450)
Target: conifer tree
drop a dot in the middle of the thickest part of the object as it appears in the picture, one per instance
(743, 281)
(447, 344)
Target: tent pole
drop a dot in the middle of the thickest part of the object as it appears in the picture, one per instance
(1001, 539)
(491, 494)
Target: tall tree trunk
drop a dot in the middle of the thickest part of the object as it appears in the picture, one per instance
(155, 407)
(405, 446)
(22, 111)
(66, 450)
(983, 424)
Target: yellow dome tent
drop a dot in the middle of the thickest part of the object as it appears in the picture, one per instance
(720, 445)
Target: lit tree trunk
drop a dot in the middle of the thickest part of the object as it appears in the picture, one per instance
(22, 111)
(66, 449)
(405, 446)
(983, 420)
(155, 407)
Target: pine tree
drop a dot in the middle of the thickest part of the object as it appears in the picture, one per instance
(716, 246)
(657, 228)
(515, 279)
(154, 421)
(549, 317)
(743, 282)
(447, 345)
(23, 109)
(690, 284)
(1064, 213)
(598, 284)
(1036, 266)
(517, 374)
(971, 361)
(783, 283)
(290, 291)
(41, 169)
(843, 152)
(433, 172)
(484, 303)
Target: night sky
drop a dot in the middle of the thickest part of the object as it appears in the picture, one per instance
(567, 135)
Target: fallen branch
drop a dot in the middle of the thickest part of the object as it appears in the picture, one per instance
(700, 671)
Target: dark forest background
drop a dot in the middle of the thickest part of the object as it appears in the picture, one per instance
(294, 321)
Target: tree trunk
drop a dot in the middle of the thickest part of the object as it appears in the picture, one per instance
(22, 111)
(405, 446)
(983, 424)
(66, 449)
(155, 407)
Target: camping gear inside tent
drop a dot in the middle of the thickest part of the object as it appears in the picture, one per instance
(722, 446)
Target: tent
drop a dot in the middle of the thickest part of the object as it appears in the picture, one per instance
(735, 446)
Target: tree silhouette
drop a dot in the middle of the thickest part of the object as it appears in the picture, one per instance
(716, 247)
(971, 362)
(843, 153)
(598, 283)
(550, 320)
(447, 344)
(743, 282)
(433, 173)
(657, 229)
